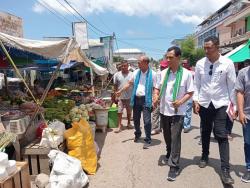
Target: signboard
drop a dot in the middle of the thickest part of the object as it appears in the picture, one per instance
(11, 25)
(81, 34)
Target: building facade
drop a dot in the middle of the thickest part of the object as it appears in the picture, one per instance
(231, 24)
(131, 54)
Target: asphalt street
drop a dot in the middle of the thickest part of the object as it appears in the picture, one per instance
(126, 164)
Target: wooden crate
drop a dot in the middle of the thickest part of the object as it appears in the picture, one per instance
(37, 157)
(18, 179)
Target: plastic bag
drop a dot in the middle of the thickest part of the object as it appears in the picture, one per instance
(57, 126)
(66, 172)
(80, 144)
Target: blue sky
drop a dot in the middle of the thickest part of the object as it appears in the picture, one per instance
(149, 25)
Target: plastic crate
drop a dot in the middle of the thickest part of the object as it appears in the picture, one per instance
(17, 126)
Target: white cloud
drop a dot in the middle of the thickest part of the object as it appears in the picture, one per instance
(186, 11)
(38, 8)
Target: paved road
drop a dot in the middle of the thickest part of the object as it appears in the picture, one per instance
(124, 164)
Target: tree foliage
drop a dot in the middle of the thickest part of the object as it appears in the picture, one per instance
(189, 51)
(117, 58)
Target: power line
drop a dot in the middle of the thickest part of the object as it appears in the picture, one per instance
(55, 11)
(68, 10)
(86, 19)
(60, 17)
(152, 50)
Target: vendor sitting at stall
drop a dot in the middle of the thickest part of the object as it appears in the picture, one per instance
(38, 90)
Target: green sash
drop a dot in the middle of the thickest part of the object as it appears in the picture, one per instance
(176, 84)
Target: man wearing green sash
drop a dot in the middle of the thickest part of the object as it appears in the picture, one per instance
(173, 90)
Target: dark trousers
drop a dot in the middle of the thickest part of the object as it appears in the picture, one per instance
(246, 134)
(172, 128)
(139, 106)
(215, 119)
(229, 126)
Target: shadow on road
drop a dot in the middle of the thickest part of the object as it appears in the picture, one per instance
(214, 163)
(100, 139)
(154, 142)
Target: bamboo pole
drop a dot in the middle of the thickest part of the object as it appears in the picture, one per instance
(48, 86)
(17, 71)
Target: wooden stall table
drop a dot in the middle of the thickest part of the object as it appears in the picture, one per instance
(19, 179)
(37, 157)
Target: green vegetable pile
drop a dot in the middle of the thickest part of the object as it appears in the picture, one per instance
(57, 109)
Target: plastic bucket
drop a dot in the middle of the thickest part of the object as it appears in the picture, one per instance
(113, 117)
(101, 117)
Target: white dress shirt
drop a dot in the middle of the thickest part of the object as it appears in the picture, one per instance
(140, 91)
(217, 88)
(166, 101)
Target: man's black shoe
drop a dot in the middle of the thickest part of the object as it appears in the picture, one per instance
(136, 139)
(167, 155)
(173, 173)
(246, 177)
(203, 162)
(226, 178)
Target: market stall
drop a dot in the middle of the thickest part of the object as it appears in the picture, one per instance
(68, 105)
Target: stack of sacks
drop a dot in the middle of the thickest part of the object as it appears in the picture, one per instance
(7, 167)
(52, 136)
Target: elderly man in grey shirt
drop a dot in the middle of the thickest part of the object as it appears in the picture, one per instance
(121, 78)
(242, 88)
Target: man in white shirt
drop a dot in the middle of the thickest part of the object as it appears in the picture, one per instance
(143, 82)
(214, 89)
(173, 90)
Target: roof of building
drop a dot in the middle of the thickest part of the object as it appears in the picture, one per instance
(217, 12)
(128, 50)
(95, 42)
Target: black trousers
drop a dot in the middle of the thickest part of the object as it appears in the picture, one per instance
(215, 119)
(172, 128)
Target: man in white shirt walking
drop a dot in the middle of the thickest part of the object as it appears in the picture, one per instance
(173, 90)
(214, 89)
(143, 82)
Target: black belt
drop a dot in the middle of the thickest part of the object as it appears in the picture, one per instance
(140, 97)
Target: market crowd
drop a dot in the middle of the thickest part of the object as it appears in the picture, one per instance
(166, 99)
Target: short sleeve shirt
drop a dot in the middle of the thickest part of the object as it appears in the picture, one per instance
(186, 86)
(243, 84)
(121, 80)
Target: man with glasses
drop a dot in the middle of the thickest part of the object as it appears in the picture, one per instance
(143, 82)
(214, 89)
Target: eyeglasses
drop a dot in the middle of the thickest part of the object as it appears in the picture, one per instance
(211, 70)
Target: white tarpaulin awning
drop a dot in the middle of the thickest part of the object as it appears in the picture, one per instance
(52, 49)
